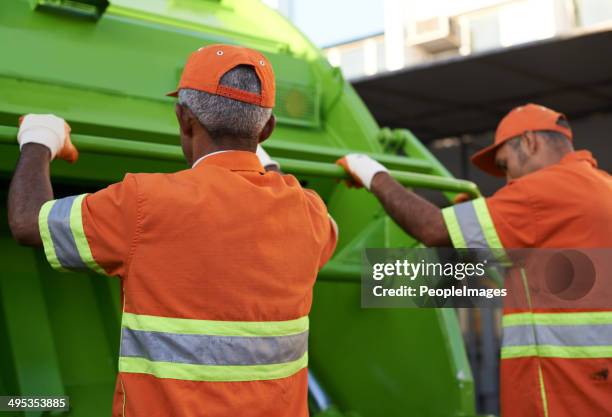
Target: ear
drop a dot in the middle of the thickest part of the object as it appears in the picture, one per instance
(184, 118)
(530, 143)
(268, 128)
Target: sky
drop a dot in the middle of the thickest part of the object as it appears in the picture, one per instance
(327, 22)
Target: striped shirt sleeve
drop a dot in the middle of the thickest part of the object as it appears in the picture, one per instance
(91, 232)
(470, 225)
(508, 219)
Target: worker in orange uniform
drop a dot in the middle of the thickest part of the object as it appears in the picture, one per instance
(555, 198)
(217, 262)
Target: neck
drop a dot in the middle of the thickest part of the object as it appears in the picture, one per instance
(553, 157)
(203, 149)
(557, 156)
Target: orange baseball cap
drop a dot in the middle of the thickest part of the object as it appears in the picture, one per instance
(530, 117)
(207, 65)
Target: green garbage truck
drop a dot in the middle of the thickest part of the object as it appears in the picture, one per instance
(105, 66)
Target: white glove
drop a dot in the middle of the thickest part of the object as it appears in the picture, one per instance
(265, 159)
(50, 131)
(361, 167)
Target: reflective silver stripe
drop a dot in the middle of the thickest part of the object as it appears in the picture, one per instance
(518, 336)
(470, 226)
(61, 235)
(572, 335)
(212, 350)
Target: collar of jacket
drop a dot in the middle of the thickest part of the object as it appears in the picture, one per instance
(232, 160)
(582, 155)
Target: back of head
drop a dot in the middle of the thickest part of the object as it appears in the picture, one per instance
(558, 141)
(229, 122)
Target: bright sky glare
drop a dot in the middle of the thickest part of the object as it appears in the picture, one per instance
(327, 22)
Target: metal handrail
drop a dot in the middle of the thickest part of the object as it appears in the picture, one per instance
(157, 151)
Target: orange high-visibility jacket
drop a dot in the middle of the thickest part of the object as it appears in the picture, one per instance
(555, 363)
(217, 265)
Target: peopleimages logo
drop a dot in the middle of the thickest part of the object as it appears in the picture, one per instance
(426, 291)
(423, 269)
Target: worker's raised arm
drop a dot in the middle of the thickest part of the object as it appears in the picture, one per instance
(78, 232)
(415, 215)
(41, 139)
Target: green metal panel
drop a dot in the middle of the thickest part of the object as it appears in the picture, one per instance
(105, 67)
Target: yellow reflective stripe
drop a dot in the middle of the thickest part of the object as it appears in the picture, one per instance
(510, 352)
(486, 223)
(214, 327)
(547, 351)
(489, 231)
(558, 319)
(543, 391)
(452, 225)
(76, 226)
(45, 235)
(212, 372)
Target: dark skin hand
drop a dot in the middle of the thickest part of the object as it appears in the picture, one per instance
(30, 188)
(415, 215)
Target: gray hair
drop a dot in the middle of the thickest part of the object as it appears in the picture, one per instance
(224, 117)
(555, 140)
